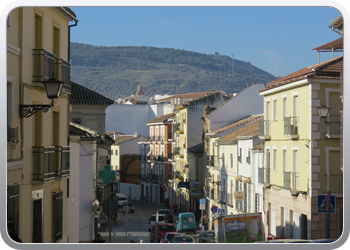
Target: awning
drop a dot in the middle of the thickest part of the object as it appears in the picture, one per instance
(238, 178)
(247, 180)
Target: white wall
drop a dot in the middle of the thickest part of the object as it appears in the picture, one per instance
(128, 119)
(132, 191)
(131, 146)
(86, 187)
(244, 168)
(245, 104)
(73, 200)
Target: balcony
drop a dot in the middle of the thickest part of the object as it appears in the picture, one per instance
(179, 128)
(261, 174)
(291, 127)
(160, 158)
(170, 135)
(43, 163)
(62, 161)
(177, 151)
(154, 177)
(229, 200)
(151, 138)
(295, 181)
(239, 158)
(286, 180)
(247, 159)
(170, 176)
(160, 177)
(44, 65)
(217, 195)
(210, 160)
(333, 126)
(170, 156)
(63, 73)
(12, 134)
(148, 176)
(264, 129)
(267, 173)
(335, 183)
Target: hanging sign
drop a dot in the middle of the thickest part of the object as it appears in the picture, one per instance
(239, 195)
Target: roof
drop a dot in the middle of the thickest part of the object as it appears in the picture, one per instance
(259, 147)
(326, 70)
(200, 97)
(197, 149)
(84, 96)
(187, 96)
(88, 133)
(162, 118)
(336, 44)
(238, 123)
(337, 23)
(124, 138)
(248, 130)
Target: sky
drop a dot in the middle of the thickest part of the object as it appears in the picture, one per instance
(278, 40)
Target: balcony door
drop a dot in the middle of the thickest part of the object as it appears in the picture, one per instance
(37, 221)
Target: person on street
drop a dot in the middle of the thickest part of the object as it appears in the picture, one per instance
(98, 239)
(175, 207)
(205, 221)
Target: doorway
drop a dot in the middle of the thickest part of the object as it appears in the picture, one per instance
(37, 221)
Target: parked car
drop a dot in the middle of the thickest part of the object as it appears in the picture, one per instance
(162, 229)
(121, 199)
(206, 237)
(186, 223)
(323, 241)
(152, 220)
(168, 236)
(131, 206)
(168, 214)
(182, 239)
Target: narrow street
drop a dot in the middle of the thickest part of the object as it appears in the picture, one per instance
(137, 225)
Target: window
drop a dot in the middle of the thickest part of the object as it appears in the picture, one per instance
(231, 159)
(8, 20)
(116, 152)
(248, 157)
(223, 160)
(57, 215)
(239, 158)
(284, 107)
(275, 110)
(275, 159)
(9, 105)
(284, 160)
(267, 111)
(257, 203)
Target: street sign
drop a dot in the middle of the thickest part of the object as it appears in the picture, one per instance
(126, 208)
(214, 209)
(221, 211)
(322, 204)
(164, 189)
(202, 204)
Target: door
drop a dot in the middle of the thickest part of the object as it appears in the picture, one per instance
(37, 221)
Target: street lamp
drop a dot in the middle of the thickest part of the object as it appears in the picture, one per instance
(323, 111)
(53, 88)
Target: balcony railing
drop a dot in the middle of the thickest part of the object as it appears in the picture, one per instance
(62, 161)
(43, 163)
(160, 158)
(160, 177)
(170, 156)
(176, 150)
(333, 125)
(151, 138)
(210, 160)
(261, 173)
(44, 65)
(286, 180)
(12, 134)
(148, 176)
(170, 176)
(154, 177)
(295, 181)
(229, 199)
(177, 127)
(239, 158)
(264, 128)
(335, 183)
(291, 125)
(62, 70)
(267, 175)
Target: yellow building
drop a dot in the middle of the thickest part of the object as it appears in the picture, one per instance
(302, 151)
(38, 166)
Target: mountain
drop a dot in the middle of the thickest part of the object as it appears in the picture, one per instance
(117, 71)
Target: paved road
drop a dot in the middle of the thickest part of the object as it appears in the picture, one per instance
(136, 226)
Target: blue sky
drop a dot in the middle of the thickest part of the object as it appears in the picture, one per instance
(278, 40)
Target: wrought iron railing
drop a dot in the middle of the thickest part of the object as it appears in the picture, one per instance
(267, 175)
(210, 160)
(44, 65)
(62, 161)
(177, 127)
(170, 176)
(176, 150)
(160, 177)
(12, 134)
(261, 173)
(286, 180)
(62, 70)
(43, 163)
(264, 128)
(291, 125)
(335, 183)
(170, 156)
(151, 138)
(333, 125)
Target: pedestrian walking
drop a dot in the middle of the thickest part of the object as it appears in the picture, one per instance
(175, 207)
(98, 239)
(205, 221)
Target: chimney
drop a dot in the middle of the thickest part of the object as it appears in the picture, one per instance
(115, 136)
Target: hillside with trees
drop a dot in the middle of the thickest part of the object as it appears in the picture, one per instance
(117, 71)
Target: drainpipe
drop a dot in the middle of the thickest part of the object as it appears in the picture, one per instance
(75, 24)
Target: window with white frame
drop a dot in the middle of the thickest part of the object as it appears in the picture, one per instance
(275, 109)
(284, 107)
(267, 110)
(274, 159)
(231, 160)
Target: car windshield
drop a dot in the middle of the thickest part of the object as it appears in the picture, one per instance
(164, 212)
(121, 198)
(167, 228)
(160, 218)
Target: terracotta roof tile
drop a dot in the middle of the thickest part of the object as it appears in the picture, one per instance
(124, 138)
(259, 147)
(336, 44)
(187, 96)
(326, 70)
(82, 95)
(245, 120)
(162, 118)
(248, 130)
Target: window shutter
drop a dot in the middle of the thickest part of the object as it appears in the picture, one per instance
(57, 215)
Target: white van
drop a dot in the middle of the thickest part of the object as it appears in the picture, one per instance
(121, 199)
